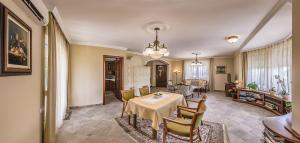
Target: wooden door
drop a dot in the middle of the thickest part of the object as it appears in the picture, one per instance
(119, 78)
(161, 75)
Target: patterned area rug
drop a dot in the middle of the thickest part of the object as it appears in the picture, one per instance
(210, 132)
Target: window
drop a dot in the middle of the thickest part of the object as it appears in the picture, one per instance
(196, 72)
(264, 64)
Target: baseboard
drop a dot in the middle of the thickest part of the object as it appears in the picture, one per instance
(84, 106)
(219, 91)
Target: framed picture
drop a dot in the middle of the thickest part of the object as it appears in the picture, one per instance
(221, 70)
(15, 44)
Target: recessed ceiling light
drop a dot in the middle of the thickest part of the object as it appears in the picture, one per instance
(232, 39)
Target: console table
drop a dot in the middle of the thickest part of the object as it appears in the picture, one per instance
(262, 99)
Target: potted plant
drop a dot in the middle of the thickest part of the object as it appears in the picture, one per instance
(281, 83)
(252, 86)
(288, 106)
(272, 91)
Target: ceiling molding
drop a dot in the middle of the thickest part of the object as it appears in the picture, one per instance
(100, 45)
(263, 22)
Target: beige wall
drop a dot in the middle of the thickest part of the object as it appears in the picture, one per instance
(221, 79)
(296, 66)
(87, 73)
(20, 95)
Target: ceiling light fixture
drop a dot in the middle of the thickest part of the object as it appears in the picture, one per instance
(156, 50)
(196, 62)
(232, 39)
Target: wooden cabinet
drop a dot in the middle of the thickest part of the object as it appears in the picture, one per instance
(262, 99)
(230, 89)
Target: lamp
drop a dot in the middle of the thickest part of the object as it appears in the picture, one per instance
(156, 50)
(196, 62)
(176, 72)
(232, 39)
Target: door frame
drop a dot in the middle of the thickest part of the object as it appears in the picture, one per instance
(103, 76)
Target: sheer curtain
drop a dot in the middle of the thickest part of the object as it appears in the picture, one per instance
(264, 64)
(196, 72)
(56, 79)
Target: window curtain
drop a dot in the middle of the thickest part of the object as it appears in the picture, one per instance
(264, 64)
(57, 78)
(196, 72)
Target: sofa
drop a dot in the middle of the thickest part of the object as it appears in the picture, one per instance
(199, 84)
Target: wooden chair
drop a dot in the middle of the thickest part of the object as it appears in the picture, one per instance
(183, 127)
(126, 96)
(184, 111)
(144, 90)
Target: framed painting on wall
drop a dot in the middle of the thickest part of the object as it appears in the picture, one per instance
(221, 70)
(15, 44)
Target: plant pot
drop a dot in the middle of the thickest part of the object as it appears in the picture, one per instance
(285, 97)
(273, 93)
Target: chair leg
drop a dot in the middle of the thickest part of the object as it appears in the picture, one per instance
(199, 135)
(123, 110)
(164, 136)
(129, 120)
(191, 138)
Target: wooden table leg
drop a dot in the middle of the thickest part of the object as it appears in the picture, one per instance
(134, 120)
(154, 134)
(129, 119)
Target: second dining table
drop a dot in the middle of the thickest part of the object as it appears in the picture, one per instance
(154, 108)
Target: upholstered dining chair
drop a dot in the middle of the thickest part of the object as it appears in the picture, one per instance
(184, 111)
(126, 96)
(184, 128)
(144, 90)
(186, 91)
(171, 86)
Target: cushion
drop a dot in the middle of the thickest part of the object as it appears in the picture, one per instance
(128, 94)
(187, 114)
(184, 130)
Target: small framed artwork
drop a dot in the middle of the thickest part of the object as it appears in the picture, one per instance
(15, 44)
(221, 70)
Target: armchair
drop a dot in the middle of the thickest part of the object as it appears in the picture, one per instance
(184, 112)
(186, 90)
(182, 127)
(171, 87)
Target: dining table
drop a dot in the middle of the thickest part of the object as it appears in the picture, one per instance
(154, 107)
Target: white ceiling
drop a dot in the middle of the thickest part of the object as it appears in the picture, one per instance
(194, 25)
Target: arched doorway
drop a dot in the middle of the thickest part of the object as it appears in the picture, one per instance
(159, 73)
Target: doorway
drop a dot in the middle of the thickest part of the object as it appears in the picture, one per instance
(161, 75)
(112, 78)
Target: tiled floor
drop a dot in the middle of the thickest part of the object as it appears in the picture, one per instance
(96, 125)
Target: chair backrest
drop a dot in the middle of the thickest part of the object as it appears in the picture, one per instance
(127, 94)
(144, 90)
(201, 105)
(185, 90)
(196, 121)
(170, 82)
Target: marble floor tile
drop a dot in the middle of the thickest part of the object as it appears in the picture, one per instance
(96, 124)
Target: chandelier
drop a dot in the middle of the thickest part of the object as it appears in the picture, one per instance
(156, 50)
(196, 62)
